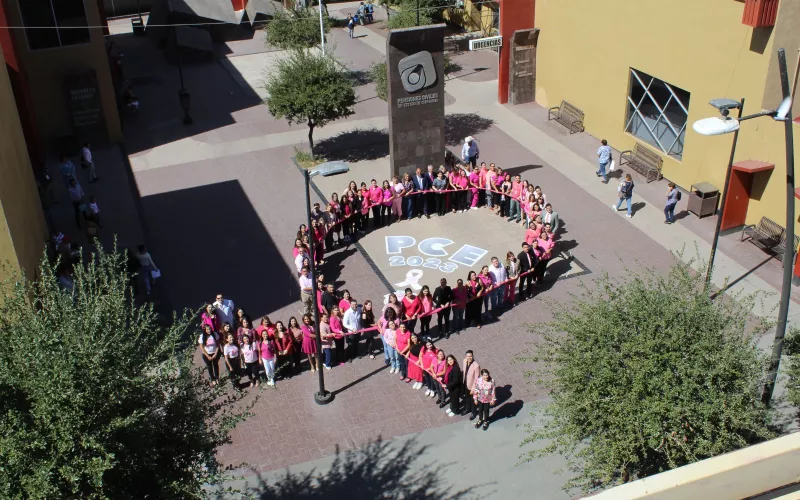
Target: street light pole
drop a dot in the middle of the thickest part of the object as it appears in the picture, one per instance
(321, 32)
(722, 203)
(417, 12)
(788, 252)
(321, 397)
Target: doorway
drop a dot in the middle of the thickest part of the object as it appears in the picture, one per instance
(740, 191)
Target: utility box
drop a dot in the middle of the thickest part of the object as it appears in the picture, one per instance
(703, 199)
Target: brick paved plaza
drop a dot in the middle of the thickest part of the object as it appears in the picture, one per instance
(221, 202)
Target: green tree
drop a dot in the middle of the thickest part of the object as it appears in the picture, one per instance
(792, 351)
(407, 18)
(646, 374)
(311, 88)
(296, 29)
(98, 400)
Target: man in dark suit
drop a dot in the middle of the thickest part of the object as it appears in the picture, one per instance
(527, 261)
(421, 183)
(442, 297)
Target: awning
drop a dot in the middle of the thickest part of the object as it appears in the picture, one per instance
(753, 166)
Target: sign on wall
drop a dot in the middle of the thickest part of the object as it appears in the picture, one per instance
(486, 43)
(85, 107)
(522, 74)
(415, 67)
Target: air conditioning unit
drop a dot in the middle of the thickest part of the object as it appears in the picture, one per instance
(760, 13)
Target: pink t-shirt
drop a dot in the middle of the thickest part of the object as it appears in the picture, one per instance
(532, 235)
(375, 195)
(336, 325)
(250, 353)
(462, 182)
(459, 297)
(344, 305)
(428, 357)
(474, 178)
(402, 339)
(486, 280)
(490, 179)
(427, 304)
(387, 197)
(267, 350)
(545, 247)
(516, 188)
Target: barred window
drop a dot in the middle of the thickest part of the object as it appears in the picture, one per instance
(54, 23)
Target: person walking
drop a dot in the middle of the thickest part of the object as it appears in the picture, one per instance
(625, 193)
(471, 370)
(67, 169)
(442, 297)
(351, 25)
(88, 162)
(603, 159)
(146, 267)
(453, 382)
(470, 151)
(483, 394)
(76, 195)
(673, 195)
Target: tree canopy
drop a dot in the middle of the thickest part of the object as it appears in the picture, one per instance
(98, 400)
(312, 88)
(296, 29)
(646, 374)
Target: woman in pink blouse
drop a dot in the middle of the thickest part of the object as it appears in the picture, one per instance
(437, 371)
(426, 303)
(393, 303)
(486, 281)
(462, 182)
(210, 318)
(386, 204)
(426, 358)
(246, 330)
(402, 344)
(344, 304)
(414, 369)
(335, 322)
(269, 355)
(544, 251)
(411, 309)
(474, 186)
(484, 397)
(532, 233)
(375, 200)
(397, 199)
(309, 341)
(249, 351)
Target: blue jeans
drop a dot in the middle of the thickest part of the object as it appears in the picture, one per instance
(489, 198)
(486, 299)
(391, 355)
(669, 212)
(628, 201)
(402, 364)
(514, 212)
(327, 352)
(497, 297)
(409, 206)
(458, 319)
(602, 171)
(386, 348)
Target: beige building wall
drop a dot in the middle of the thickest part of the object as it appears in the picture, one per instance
(586, 50)
(23, 230)
(47, 68)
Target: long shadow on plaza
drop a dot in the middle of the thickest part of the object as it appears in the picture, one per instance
(459, 125)
(208, 240)
(377, 470)
(355, 145)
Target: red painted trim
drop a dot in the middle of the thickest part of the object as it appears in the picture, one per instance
(514, 15)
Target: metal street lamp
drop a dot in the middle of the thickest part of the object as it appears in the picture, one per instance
(321, 397)
(724, 125)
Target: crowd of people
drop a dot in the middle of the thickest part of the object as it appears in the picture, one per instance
(401, 329)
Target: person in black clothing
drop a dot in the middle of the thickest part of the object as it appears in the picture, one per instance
(442, 297)
(527, 261)
(453, 379)
(329, 299)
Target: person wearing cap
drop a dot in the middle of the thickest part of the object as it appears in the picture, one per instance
(470, 151)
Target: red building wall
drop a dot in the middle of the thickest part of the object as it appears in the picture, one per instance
(514, 15)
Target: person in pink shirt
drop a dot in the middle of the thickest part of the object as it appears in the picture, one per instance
(210, 318)
(326, 339)
(269, 354)
(474, 187)
(488, 183)
(543, 250)
(386, 204)
(266, 326)
(426, 303)
(532, 233)
(426, 359)
(318, 233)
(208, 344)
(335, 322)
(309, 341)
(249, 350)
(514, 210)
(437, 371)
(344, 304)
(246, 330)
(459, 305)
(412, 308)
(375, 200)
(397, 199)
(402, 344)
(414, 368)
(488, 284)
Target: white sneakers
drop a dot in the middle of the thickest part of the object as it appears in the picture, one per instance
(473, 208)
(428, 393)
(392, 370)
(417, 385)
(327, 367)
(628, 216)
(450, 413)
(432, 394)
(270, 383)
(614, 208)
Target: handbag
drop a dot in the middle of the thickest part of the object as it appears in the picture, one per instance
(619, 192)
(612, 166)
(155, 273)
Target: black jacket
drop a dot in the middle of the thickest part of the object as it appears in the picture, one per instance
(523, 261)
(426, 182)
(442, 296)
(454, 380)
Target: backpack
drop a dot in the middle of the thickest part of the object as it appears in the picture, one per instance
(679, 196)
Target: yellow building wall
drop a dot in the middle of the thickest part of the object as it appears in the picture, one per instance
(586, 49)
(46, 70)
(23, 230)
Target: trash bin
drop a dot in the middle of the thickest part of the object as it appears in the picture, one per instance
(703, 199)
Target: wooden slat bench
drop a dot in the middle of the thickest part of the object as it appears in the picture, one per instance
(768, 236)
(568, 115)
(643, 161)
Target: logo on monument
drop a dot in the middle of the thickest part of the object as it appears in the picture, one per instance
(417, 71)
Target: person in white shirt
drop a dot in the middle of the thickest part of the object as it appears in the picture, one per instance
(298, 261)
(225, 309)
(470, 151)
(86, 162)
(306, 290)
(146, 267)
(499, 275)
(352, 323)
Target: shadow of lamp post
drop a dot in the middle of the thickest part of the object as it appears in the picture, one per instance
(321, 397)
(724, 125)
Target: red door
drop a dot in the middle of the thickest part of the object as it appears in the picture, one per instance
(735, 210)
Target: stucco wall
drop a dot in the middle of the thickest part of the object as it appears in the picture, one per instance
(22, 227)
(587, 48)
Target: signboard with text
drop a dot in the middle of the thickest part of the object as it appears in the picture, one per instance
(415, 67)
(522, 74)
(85, 107)
(486, 43)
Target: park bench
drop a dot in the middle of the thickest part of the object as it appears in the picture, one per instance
(568, 115)
(643, 160)
(768, 236)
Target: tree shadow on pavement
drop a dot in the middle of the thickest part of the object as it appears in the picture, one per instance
(459, 125)
(355, 145)
(377, 470)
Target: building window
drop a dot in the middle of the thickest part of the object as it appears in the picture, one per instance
(54, 23)
(657, 113)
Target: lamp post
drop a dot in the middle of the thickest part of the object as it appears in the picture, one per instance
(723, 125)
(322, 396)
(321, 28)
(183, 95)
